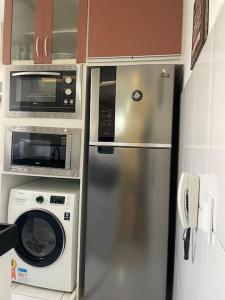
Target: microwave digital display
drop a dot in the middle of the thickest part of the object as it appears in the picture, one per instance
(40, 150)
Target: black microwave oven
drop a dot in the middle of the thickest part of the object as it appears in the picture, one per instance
(42, 151)
(43, 91)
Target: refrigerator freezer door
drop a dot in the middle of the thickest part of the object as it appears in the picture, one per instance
(144, 104)
(127, 223)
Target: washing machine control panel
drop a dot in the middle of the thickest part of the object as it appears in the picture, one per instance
(57, 200)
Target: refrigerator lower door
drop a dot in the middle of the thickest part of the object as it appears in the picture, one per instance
(127, 224)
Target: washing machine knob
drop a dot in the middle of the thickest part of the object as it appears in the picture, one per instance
(40, 199)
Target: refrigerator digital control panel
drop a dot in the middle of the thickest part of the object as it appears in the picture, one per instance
(107, 95)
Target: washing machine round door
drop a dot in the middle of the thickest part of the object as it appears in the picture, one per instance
(41, 238)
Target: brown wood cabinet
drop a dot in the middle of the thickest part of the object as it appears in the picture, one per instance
(157, 27)
(110, 28)
(43, 30)
(134, 27)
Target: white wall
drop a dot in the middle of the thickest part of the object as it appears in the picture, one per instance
(2, 2)
(214, 8)
(202, 152)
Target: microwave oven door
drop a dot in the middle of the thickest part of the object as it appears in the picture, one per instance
(39, 149)
(42, 151)
(35, 91)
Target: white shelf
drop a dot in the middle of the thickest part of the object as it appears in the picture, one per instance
(54, 62)
(26, 292)
(39, 175)
(136, 60)
(46, 122)
(9, 180)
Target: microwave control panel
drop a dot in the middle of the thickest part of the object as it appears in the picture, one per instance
(69, 91)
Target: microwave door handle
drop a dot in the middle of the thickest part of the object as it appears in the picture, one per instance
(94, 105)
(36, 73)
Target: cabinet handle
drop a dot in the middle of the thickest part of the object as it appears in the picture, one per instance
(45, 46)
(37, 46)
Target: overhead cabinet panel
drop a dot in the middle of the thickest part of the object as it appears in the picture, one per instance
(24, 14)
(38, 33)
(134, 28)
(64, 33)
(47, 31)
(157, 28)
(40, 30)
(82, 31)
(110, 28)
(7, 32)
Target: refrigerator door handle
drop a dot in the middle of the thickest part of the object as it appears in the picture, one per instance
(94, 105)
(105, 150)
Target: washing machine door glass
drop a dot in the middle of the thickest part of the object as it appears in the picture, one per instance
(41, 238)
(38, 237)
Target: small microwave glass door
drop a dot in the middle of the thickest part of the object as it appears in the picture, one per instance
(40, 150)
(36, 92)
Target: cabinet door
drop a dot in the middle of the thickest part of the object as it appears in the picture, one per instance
(38, 32)
(82, 31)
(19, 29)
(7, 32)
(110, 28)
(47, 31)
(64, 33)
(157, 27)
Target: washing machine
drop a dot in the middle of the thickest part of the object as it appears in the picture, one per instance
(46, 212)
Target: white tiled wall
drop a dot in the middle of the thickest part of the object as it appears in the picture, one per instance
(202, 151)
(214, 8)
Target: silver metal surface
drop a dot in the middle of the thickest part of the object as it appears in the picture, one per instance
(51, 69)
(146, 121)
(73, 151)
(130, 145)
(35, 73)
(94, 105)
(150, 119)
(127, 224)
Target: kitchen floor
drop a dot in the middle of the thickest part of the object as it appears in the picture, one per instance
(22, 292)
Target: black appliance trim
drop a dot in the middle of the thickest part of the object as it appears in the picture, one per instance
(8, 237)
(107, 99)
(57, 106)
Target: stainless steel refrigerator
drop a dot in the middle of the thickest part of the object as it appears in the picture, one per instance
(129, 182)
